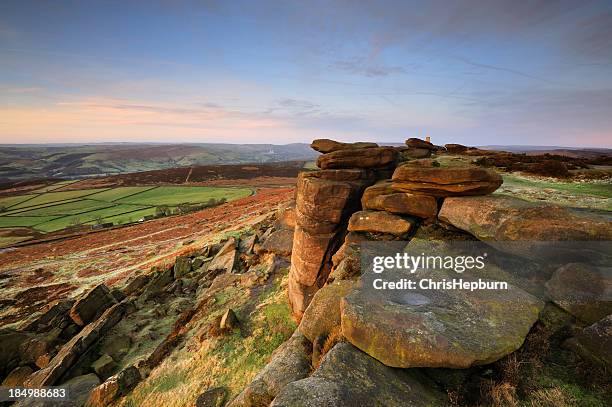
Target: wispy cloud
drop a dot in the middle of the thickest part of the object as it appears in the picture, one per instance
(362, 66)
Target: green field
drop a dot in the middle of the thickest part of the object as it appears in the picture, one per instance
(50, 210)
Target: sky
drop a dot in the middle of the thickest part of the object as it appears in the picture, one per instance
(477, 72)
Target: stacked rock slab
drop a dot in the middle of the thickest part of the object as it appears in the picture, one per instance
(324, 201)
(430, 177)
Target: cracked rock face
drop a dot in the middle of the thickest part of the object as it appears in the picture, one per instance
(438, 328)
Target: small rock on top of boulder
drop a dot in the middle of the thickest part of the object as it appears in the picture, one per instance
(324, 145)
(349, 377)
(375, 157)
(438, 328)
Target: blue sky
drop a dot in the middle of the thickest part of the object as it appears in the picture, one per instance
(472, 72)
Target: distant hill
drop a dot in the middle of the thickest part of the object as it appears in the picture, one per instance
(576, 152)
(21, 162)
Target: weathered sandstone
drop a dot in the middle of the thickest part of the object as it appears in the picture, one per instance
(324, 145)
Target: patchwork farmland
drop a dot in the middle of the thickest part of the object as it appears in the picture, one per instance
(51, 209)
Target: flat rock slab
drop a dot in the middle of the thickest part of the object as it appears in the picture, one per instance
(438, 328)
(349, 377)
(382, 197)
(380, 222)
(447, 179)
(375, 157)
(505, 218)
(324, 145)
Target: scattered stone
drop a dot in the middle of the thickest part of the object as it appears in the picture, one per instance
(380, 222)
(279, 242)
(290, 362)
(182, 266)
(229, 321)
(438, 328)
(346, 262)
(328, 146)
(504, 218)
(418, 143)
(158, 283)
(225, 260)
(10, 342)
(451, 179)
(91, 305)
(214, 397)
(118, 295)
(104, 366)
(323, 313)
(358, 158)
(247, 244)
(382, 197)
(136, 284)
(583, 290)
(77, 346)
(349, 377)
(198, 262)
(40, 348)
(55, 316)
(17, 376)
(115, 387)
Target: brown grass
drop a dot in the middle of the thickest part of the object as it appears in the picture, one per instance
(552, 397)
(334, 337)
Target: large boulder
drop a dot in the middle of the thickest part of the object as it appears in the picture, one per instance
(505, 218)
(91, 305)
(115, 387)
(382, 197)
(182, 266)
(290, 362)
(455, 148)
(358, 158)
(349, 377)
(380, 222)
(450, 328)
(447, 179)
(324, 145)
(225, 260)
(323, 313)
(77, 346)
(421, 144)
(10, 344)
(17, 376)
(583, 290)
(78, 389)
(595, 342)
(214, 397)
(56, 315)
(279, 242)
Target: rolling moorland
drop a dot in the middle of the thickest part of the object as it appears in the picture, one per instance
(24, 162)
(258, 300)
